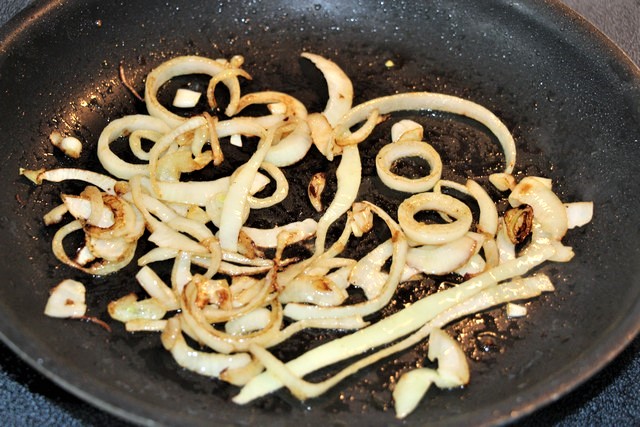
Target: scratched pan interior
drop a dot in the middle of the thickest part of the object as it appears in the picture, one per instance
(568, 95)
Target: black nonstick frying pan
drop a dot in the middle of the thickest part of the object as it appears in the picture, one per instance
(569, 97)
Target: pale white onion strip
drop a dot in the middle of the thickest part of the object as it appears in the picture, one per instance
(407, 130)
(339, 87)
(578, 213)
(348, 174)
(488, 220)
(83, 209)
(121, 127)
(207, 364)
(100, 268)
(108, 249)
(259, 293)
(494, 295)
(157, 255)
(476, 265)
(237, 258)
(104, 182)
(292, 148)
(491, 253)
(279, 194)
(66, 300)
(322, 135)
(194, 228)
(268, 238)
(367, 274)
(313, 289)
(248, 126)
(232, 217)
(362, 133)
(442, 259)
(411, 388)
(128, 308)
(192, 192)
(166, 237)
(165, 143)
(156, 288)
(548, 209)
(502, 181)
(434, 234)
(390, 153)
(395, 326)
(400, 248)
(135, 142)
(230, 79)
(181, 272)
(437, 102)
(145, 325)
(220, 341)
(55, 215)
(99, 216)
(453, 371)
(253, 320)
(506, 248)
(180, 66)
(294, 107)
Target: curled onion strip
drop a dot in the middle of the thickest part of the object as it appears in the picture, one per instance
(338, 85)
(100, 268)
(348, 174)
(400, 248)
(104, 182)
(232, 215)
(122, 127)
(135, 142)
(437, 102)
(488, 221)
(280, 193)
(294, 108)
(183, 65)
(390, 153)
(434, 234)
(208, 364)
(230, 79)
(395, 326)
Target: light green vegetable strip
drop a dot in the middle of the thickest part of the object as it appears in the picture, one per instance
(395, 326)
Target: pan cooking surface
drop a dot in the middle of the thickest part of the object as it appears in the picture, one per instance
(568, 97)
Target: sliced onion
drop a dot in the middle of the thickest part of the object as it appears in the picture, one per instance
(339, 87)
(183, 65)
(208, 364)
(348, 175)
(437, 102)
(67, 299)
(442, 259)
(433, 234)
(548, 209)
(231, 219)
(123, 127)
(268, 238)
(579, 213)
(391, 153)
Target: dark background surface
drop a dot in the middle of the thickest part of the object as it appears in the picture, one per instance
(609, 398)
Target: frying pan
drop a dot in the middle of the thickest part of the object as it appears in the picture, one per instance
(569, 97)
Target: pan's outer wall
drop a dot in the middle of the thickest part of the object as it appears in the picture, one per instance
(569, 97)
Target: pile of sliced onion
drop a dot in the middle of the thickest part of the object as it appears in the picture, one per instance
(233, 301)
